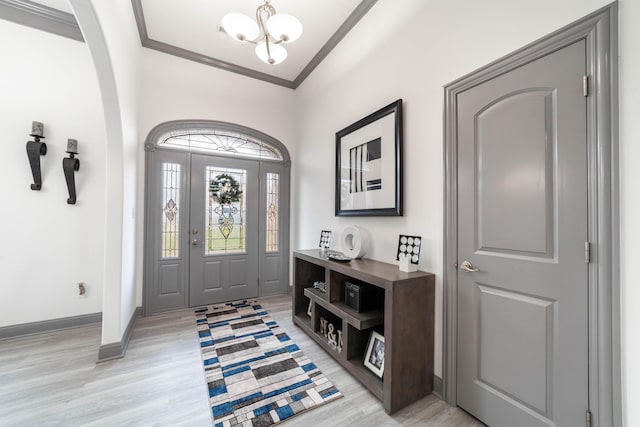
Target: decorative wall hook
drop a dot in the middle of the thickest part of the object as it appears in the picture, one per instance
(35, 149)
(70, 165)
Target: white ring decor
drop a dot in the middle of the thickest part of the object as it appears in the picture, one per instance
(355, 241)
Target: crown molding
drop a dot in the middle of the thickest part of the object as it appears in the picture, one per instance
(41, 17)
(351, 21)
(355, 16)
(214, 62)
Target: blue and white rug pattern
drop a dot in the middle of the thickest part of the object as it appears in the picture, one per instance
(256, 375)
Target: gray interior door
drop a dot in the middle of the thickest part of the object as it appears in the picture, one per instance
(522, 223)
(223, 229)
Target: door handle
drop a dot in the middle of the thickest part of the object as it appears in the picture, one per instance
(468, 267)
(194, 242)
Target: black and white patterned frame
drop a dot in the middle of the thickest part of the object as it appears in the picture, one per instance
(325, 239)
(409, 245)
(369, 165)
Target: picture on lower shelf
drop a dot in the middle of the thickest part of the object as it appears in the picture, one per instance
(374, 356)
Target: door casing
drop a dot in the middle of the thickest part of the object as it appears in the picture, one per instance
(283, 166)
(600, 30)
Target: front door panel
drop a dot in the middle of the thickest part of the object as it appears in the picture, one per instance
(522, 222)
(224, 230)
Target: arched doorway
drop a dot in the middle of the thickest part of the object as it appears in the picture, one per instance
(216, 215)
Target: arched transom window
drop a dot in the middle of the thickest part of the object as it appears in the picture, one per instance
(221, 142)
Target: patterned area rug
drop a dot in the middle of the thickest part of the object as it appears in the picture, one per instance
(257, 376)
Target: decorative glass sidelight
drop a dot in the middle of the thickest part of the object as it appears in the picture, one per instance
(273, 201)
(170, 210)
(225, 210)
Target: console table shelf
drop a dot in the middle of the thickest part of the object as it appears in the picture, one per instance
(360, 321)
(406, 322)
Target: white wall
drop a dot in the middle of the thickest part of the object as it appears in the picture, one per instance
(429, 45)
(123, 42)
(630, 204)
(174, 88)
(110, 32)
(48, 246)
(177, 89)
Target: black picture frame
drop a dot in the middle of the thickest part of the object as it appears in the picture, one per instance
(409, 246)
(325, 239)
(374, 189)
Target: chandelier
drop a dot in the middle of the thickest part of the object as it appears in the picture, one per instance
(268, 34)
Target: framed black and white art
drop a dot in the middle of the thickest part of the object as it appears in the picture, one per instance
(369, 165)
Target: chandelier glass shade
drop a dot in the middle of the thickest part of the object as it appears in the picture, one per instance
(274, 52)
(271, 30)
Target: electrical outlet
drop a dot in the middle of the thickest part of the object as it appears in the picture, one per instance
(82, 289)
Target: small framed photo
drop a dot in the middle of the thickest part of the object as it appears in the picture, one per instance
(325, 239)
(374, 356)
(310, 308)
(409, 246)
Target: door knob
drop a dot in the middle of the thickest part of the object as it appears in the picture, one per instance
(194, 242)
(468, 267)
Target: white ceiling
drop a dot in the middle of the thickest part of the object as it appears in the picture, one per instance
(191, 29)
(194, 25)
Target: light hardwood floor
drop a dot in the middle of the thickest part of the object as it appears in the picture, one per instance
(52, 380)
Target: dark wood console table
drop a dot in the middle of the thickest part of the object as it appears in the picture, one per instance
(406, 322)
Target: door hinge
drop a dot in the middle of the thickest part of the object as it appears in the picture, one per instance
(587, 252)
(588, 418)
(585, 85)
